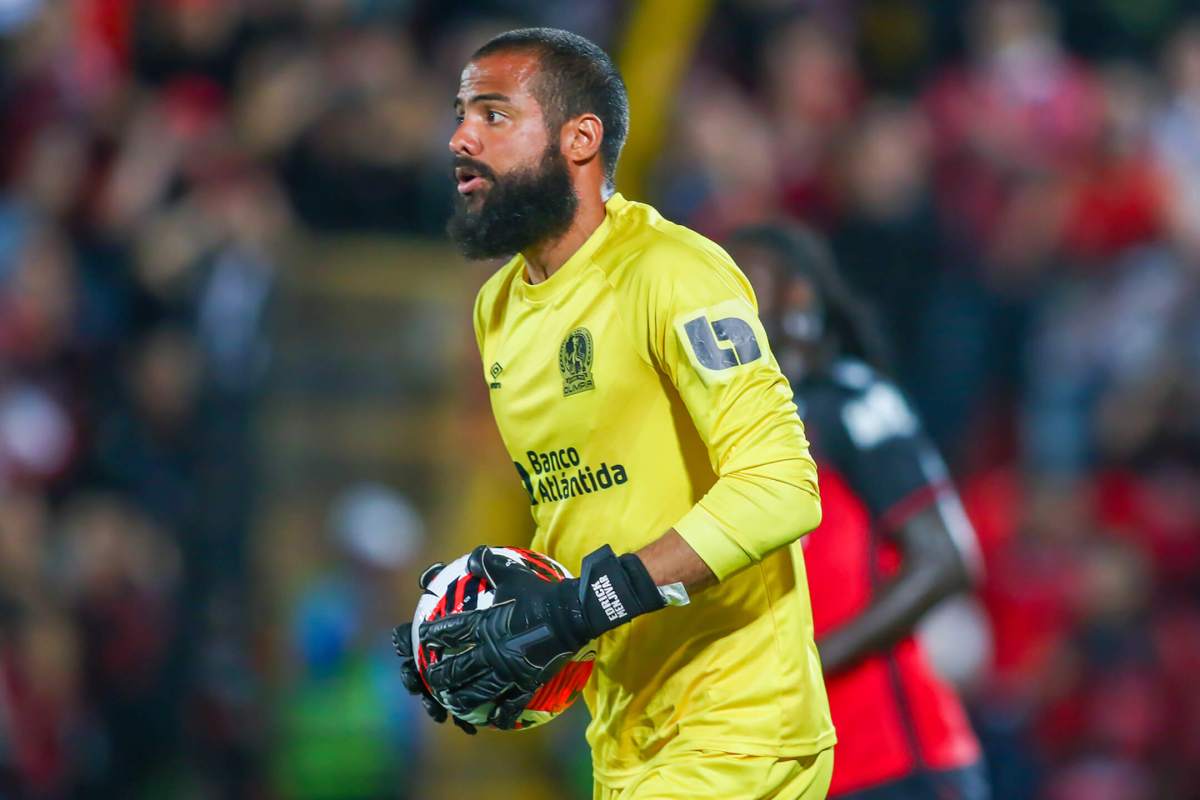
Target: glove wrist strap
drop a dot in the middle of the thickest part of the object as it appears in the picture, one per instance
(612, 590)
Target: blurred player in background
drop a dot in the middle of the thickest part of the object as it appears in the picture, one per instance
(636, 393)
(893, 540)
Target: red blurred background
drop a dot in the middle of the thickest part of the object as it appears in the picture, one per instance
(238, 401)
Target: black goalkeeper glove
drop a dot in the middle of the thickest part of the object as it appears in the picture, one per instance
(505, 653)
(402, 641)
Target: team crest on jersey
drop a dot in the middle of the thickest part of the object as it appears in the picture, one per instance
(575, 362)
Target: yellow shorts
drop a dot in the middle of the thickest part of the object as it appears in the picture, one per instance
(712, 774)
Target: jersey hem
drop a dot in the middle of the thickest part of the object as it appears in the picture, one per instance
(736, 747)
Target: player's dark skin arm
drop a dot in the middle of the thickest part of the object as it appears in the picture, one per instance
(932, 570)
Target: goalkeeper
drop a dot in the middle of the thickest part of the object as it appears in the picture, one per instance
(645, 415)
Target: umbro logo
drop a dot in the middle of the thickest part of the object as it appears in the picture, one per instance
(495, 371)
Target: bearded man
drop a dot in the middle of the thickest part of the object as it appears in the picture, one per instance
(632, 345)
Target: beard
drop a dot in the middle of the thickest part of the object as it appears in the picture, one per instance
(524, 206)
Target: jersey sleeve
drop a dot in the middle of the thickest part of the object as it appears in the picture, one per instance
(880, 445)
(706, 337)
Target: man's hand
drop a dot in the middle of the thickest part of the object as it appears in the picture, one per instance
(504, 653)
(402, 641)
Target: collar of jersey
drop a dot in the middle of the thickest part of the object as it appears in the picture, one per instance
(566, 275)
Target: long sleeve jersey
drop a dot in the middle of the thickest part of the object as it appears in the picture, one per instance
(635, 392)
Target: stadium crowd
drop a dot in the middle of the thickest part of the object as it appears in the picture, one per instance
(1012, 183)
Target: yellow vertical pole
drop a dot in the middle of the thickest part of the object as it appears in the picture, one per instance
(654, 54)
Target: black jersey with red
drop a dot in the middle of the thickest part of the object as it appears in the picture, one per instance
(894, 715)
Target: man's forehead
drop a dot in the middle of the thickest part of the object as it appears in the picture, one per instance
(509, 74)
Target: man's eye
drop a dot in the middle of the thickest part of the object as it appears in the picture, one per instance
(493, 116)
(458, 118)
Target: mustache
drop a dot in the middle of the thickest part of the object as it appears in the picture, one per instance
(477, 167)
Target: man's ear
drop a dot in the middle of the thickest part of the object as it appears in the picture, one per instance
(582, 137)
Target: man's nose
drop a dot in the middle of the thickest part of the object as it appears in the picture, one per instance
(464, 142)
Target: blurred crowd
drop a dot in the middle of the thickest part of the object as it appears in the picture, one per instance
(1013, 184)
(138, 245)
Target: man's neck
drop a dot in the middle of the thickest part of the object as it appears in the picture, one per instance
(543, 259)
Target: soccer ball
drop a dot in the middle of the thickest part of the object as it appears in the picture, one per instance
(455, 590)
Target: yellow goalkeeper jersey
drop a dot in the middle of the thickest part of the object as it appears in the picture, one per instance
(635, 392)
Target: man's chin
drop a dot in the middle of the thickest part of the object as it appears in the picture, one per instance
(464, 230)
(472, 204)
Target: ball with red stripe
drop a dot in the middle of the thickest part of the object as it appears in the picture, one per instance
(455, 590)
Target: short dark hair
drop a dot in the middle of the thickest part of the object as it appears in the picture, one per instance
(575, 76)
